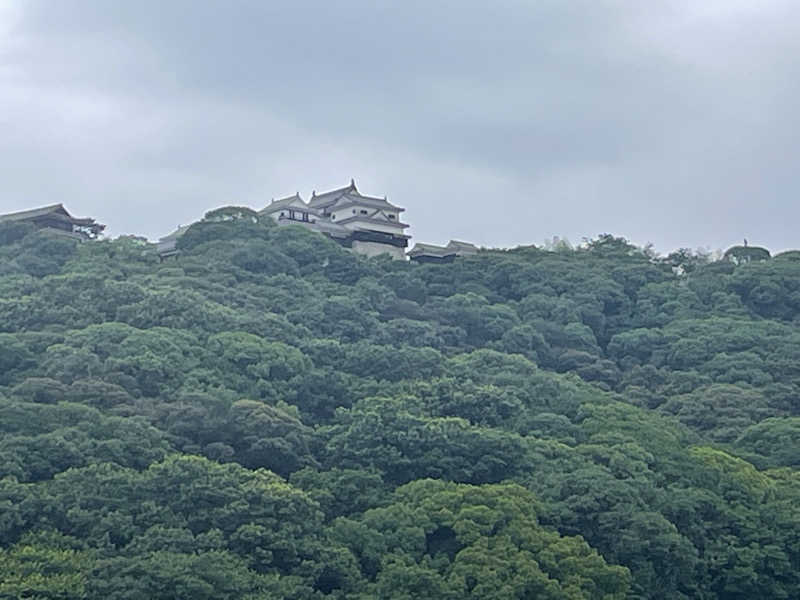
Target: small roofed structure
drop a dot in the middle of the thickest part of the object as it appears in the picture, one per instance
(430, 253)
(56, 219)
(168, 245)
(290, 209)
(293, 210)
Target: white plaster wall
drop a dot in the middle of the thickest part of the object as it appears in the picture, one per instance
(344, 213)
(391, 212)
(375, 249)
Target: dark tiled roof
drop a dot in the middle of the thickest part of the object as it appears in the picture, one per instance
(281, 203)
(462, 246)
(359, 200)
(351, 197)
(453, 248)
(327, 198)
(175, 234)
(53, 209)
(290, 207)
(429, 249)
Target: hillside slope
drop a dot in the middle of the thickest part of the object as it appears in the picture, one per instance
(270, 416)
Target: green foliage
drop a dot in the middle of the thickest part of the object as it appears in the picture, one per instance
(231, 213)
(443, 540)
(40, 567)
(43, 253)
(772, 442)
(271, 416)
(13, 231)
(383, 434)
(745, 254)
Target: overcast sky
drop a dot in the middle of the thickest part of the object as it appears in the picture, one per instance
(501, 123)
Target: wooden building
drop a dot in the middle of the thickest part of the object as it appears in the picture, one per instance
(429, 253)
(167, 246)
(56, 219)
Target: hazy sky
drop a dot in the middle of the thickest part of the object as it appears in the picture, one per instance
(501, 123)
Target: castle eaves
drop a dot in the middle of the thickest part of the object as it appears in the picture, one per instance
(282, 203)
(359, 200)
(367, 219)
(52, 209)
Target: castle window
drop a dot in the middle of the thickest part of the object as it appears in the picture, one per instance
(391, 216)
(363, 212)
(354, 211)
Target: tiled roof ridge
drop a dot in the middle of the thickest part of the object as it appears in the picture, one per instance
(41, 210)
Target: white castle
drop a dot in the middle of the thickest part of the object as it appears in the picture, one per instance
(366, 224)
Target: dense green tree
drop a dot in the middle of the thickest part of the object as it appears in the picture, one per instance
(745, 254)
(268, 415)
(440, 540)
(722, 411)
(772, 442)
(44, 566)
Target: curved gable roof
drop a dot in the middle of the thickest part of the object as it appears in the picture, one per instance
(295, 200)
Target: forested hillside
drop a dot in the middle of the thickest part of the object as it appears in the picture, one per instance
(270, 416)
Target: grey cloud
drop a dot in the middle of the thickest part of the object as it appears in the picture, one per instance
(505, 123)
